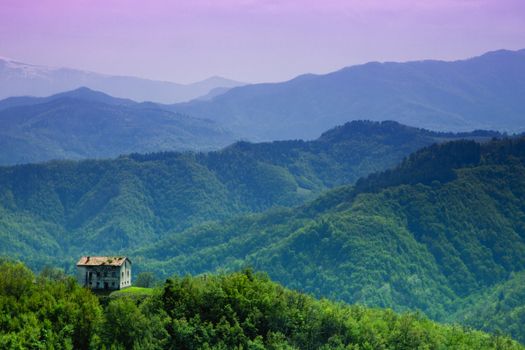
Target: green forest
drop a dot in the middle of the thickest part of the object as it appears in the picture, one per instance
(241, 310)
(429, 235)
(441, 234)
(62, 209)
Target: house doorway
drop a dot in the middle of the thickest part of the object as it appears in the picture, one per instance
(106, 285)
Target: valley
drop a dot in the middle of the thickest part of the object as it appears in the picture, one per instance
(380, 205)
(428, 234)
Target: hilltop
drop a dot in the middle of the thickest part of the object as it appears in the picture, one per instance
(89, 124)
(236, 311)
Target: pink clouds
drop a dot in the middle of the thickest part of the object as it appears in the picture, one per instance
(251, 40)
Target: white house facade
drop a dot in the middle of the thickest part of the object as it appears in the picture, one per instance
(104, 272)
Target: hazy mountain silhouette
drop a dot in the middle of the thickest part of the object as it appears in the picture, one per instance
(22, 79)
(85, 123)
(484, 92)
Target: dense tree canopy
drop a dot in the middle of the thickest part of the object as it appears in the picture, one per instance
(443, 233)
(52, 212)
(242, 310)
(43, 313)
(410, 238)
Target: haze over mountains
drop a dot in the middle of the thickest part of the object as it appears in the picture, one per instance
(89, 124)
(367, 211)
(22, 79)
(484, 92)
(359, 185)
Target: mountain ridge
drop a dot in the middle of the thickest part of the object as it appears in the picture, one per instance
(88, 124)
(474, 93)
(21, 79)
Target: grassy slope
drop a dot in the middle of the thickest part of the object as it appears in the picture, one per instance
(133, 291)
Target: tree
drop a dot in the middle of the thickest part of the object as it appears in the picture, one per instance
(126, 326)
(145, 279)
(16, 279)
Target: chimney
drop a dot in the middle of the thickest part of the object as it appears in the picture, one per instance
(87, 260)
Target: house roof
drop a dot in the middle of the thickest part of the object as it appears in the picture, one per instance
(102, 261)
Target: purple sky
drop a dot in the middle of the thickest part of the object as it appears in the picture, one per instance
(251, 40)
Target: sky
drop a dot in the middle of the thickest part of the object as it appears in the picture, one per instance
(251, 40)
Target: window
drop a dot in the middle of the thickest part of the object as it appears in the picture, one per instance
(113, 274)
(105, 274)
(122, 274)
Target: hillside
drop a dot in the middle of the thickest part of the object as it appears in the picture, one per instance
(442, 232)
(498, 309)
(82, 93)
(441, 227)
(113, 205)
(22, 79)
(484, 92)
(89, 124)
(236, 311)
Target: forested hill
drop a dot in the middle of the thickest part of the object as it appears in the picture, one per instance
(84, 123)
(237, 311)
(111, 205)
(444, 226)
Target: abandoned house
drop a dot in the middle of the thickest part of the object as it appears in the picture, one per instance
(104, 272)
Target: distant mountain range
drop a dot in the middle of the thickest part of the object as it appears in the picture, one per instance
(84, 123)
(485, 92)
(22, 79)
(87, 124)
